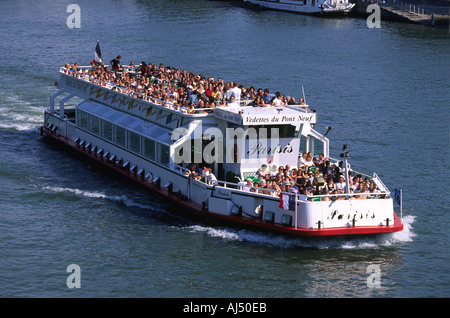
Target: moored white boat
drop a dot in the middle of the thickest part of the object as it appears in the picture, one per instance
(305, 6)
(160, 144)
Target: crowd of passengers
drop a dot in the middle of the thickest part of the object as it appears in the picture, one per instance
(314, 176)
(176, 89)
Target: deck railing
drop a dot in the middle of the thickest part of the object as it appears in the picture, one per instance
(244, 103)
(302, 197)
(405, 6)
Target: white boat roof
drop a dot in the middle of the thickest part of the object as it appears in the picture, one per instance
(129, 122)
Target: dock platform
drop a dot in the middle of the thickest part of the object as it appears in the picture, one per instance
(433, 13)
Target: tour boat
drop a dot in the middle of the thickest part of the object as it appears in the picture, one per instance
(159, 146)
(305, 6)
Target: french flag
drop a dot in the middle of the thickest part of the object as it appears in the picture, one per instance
(287, 202)
(98, 58)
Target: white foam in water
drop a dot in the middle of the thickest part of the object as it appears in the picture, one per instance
(407, 234)
(387, 239)
(19, 114)
(90, 194)
(77, 192)
(20, 126)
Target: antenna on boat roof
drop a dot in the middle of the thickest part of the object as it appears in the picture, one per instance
(304, 98)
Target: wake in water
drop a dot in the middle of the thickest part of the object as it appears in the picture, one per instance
(389, 239)
(157, 211)
(248, 236)
(20, 114)
(123, 199)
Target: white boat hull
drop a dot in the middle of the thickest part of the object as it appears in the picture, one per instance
(223, 201)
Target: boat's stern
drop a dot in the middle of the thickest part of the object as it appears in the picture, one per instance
(348, 216)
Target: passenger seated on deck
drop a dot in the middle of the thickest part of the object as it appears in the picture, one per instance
(327, 168)
(293, 175)
(306, 195)
(285, 186)
(232, 102)
(329, 186)
(373, 190)
(209, 107)
(355, 184)
(274, 186)
(336, 196)
(302, 159)
(363, 193)
(288, 168)
(210, 178)
(216, 95)
(341, 185)
(195, 176)
(308, 161)
(223, 103)
(259, 102)
(366, 182)
(290, 100)
(262, 186)
(267, 96)
(248, 186)
(262, 171)
(255, 187)
(325, 198)
(277, 101)
(293, 187)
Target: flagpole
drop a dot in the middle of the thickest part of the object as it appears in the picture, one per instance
(401, 204)
(295, 210)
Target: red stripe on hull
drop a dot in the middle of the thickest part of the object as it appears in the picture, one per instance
(232, 219)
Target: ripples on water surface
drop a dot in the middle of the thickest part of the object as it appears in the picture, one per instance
(385, 92)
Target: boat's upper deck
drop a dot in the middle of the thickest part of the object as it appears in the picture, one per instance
(163, 91)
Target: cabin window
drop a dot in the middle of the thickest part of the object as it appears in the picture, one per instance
(82, 119)
(302, 144)
(119, 136)
(148, 148)
(133, 142)
(163, 154)
(94, 124)
(277, 131)
(106, 130)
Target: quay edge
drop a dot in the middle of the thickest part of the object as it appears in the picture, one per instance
(429, 13)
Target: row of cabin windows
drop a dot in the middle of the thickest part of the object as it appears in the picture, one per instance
(148, 148)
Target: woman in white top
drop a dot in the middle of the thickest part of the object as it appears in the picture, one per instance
(308, 161)
(340, 186)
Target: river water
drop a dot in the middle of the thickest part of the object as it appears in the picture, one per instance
(384, 92)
